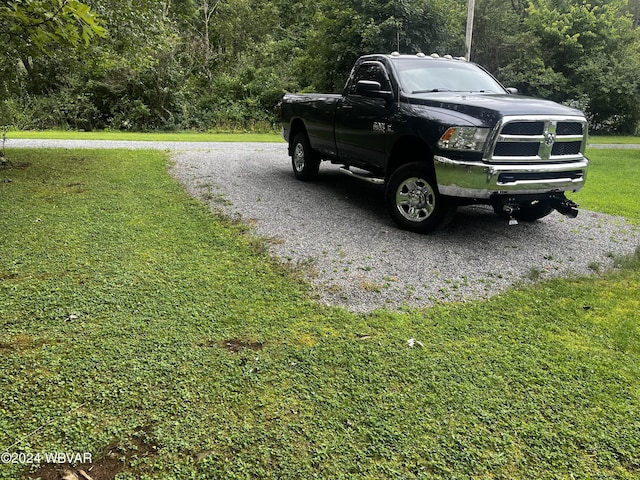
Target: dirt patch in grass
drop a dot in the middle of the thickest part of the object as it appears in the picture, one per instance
(113, 461)
(235, 345)
(7, 163)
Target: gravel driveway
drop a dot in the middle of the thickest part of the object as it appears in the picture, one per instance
(337, 230)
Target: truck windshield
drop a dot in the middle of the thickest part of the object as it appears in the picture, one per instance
(426, 75)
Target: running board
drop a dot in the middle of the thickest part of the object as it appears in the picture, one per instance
(366, 176)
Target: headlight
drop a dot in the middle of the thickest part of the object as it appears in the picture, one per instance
(464, 138)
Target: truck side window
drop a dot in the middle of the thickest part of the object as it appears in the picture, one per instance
(371, 71)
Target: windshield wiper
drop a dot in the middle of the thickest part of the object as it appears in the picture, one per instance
(432, 90)
(449, 90)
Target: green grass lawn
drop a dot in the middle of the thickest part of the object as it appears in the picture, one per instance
(613, 183)
(159, 337)
(628, 140)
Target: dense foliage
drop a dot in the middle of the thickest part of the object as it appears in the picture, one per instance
(224, 64)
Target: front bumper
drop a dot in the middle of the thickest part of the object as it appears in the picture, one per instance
(479, 180)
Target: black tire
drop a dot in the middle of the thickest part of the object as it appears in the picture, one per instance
(413, 200)
(530, 212)
(304, 160)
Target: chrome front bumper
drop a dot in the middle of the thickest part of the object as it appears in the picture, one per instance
(481, 180)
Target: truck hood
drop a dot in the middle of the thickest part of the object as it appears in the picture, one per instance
(483, 109)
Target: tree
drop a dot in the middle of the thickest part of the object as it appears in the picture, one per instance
(580, 52)
(226, 63)
(633, 9)
(32, 28)
(495, 37)
(595, 48)
(345, 29)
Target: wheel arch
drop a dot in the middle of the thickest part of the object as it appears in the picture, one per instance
(408, 150)
(297, 126)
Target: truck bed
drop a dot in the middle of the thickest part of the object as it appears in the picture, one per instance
(317, 110)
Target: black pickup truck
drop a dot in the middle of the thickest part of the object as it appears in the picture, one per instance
(440, 132)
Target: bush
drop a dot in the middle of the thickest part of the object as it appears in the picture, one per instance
(15, 112)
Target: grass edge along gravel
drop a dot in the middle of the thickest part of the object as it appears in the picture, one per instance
(187, 136)
(138, 324)
(273, 137)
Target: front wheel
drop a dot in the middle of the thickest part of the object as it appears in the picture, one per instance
(413, 199)
(304, 160)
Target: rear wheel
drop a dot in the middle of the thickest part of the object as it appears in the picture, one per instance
(413, 199)
(304, 160)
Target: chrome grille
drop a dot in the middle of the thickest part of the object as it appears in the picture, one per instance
(523, 128)
(567, 148)
(570, 128)
(516, 149)
(535, 139)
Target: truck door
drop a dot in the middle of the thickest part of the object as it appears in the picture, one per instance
(361, 122)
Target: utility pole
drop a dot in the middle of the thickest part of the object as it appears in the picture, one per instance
(470, 13)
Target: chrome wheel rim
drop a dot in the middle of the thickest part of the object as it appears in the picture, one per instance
(298, 157)
(415, 199)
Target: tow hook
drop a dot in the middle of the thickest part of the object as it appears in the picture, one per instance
(565, 206)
